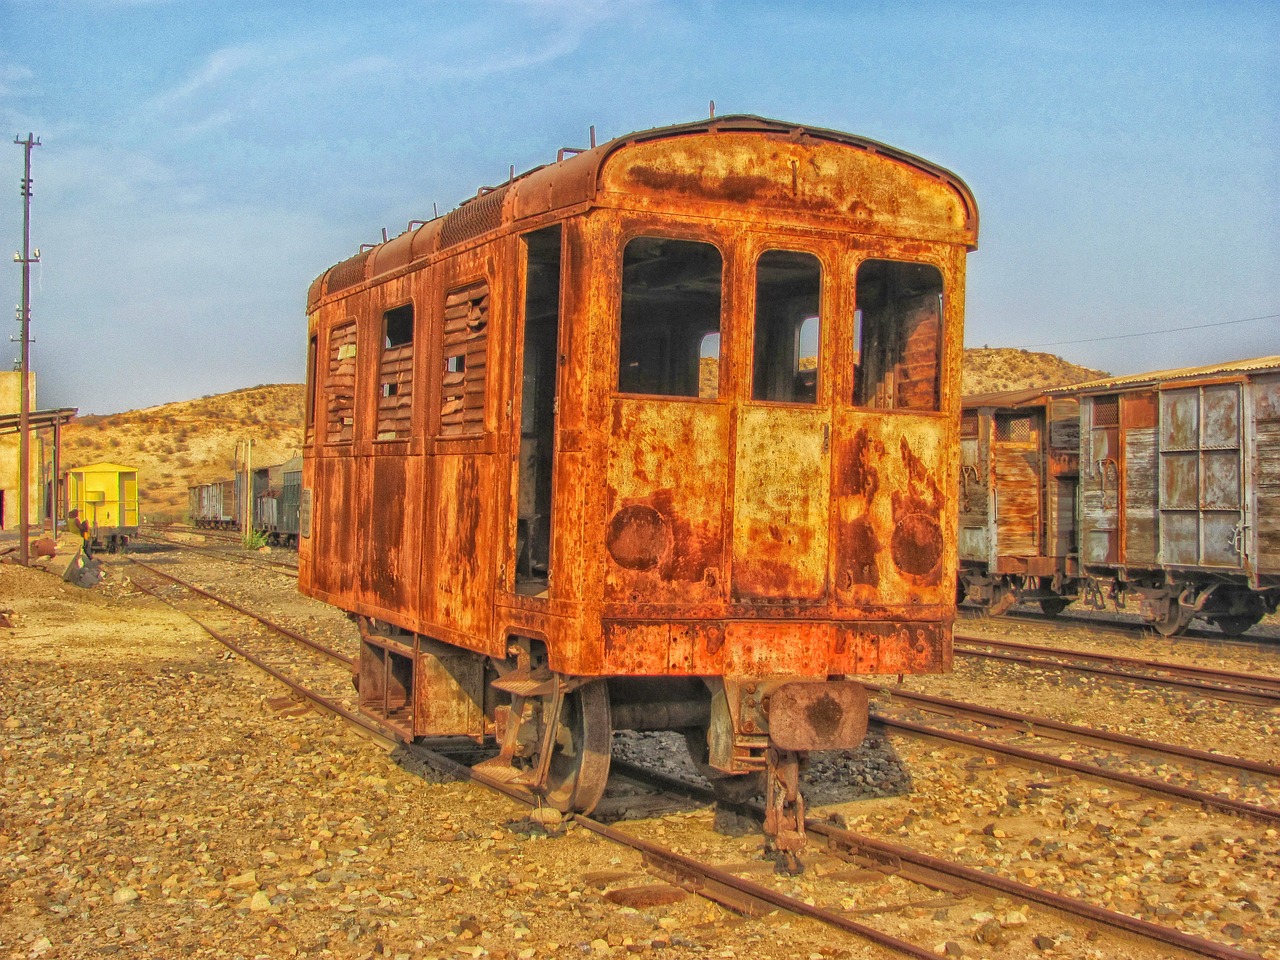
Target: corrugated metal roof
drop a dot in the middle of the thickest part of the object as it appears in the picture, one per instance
(1030, 397)
(1255, 365)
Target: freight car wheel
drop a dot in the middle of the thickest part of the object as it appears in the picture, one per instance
(1234, 626)
(579, 767)
(1173, 623)
(1052, 606)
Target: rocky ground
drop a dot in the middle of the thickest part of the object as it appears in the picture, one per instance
(164, 799)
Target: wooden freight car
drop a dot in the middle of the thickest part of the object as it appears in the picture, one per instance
(1179, 504)
(1019, 472)
(659, 436)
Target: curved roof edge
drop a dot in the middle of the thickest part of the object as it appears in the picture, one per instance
(1232, 368)
(575, 179)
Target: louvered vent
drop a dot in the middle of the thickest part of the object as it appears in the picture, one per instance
(340, 384)
(473, 218)
(348, 273)
(466, 324)
(395, 374)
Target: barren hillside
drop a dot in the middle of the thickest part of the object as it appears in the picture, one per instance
(193, 441)
(988, 369)
(179, 444)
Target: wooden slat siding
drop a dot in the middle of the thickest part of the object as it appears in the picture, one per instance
(1140, 495)
(1266, 455)
(395, 410)
(1017, 493)
(917, 374)
(466, 327)
(340, 386)
(1098, 507)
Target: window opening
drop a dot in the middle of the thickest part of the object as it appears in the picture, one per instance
(671, 295)
(395, 374)
(1014, 428)
(788, 292)
(466, 324)
(309, 412)
(898, 336)
(537, 411)
(969, 425)
(340, 383)
(1106, 411)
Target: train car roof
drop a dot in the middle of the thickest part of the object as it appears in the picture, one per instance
(1211, 371)
(574, 178)
(1029, 397)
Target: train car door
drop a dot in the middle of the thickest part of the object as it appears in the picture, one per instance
(1100, 482)
(782, 455)
(1201, 493)
(1019, 483)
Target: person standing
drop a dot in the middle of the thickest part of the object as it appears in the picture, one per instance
(81, 527)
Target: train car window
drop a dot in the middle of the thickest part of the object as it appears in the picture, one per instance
(671, 294)
(395, 374)
(785, 353)
(1014, 428)
(309, 403)
(466, 331)
(898, 336)
(1106, 411)
(340, 383)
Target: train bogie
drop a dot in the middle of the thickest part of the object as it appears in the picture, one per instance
(661, 435)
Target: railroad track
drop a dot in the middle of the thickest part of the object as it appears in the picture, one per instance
(1103, 743)
(1110, 620)
(291, 567)
(328, 689)
(1233, 686)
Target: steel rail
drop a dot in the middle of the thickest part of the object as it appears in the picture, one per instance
(260, 561)
(984, 714)
(1233, 694)
(285, 631)
(924, 867)
(1129, 779)
(1261, 680)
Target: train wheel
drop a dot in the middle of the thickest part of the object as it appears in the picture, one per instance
(1052, 606)
(579, 766)
(1233, 626)
(1174, 621)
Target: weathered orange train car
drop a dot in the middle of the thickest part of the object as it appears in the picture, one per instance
(660, 436)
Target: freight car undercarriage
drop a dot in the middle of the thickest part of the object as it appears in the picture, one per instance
(1168, 602)
(553, 732)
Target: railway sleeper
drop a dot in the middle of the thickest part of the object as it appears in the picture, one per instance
(553, 732)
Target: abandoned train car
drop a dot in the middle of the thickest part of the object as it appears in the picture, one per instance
(1019, 471)
(1159, 488)
(659, 436)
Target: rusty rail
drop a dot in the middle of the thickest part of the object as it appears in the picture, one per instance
(1258, 695)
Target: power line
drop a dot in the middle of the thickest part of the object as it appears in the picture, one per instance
(1146, 333)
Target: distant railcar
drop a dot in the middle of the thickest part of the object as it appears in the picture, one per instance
(275, 501)
(1176, 505)
(1019, 472)
(215, 505)
(106, 495)
(659, 436)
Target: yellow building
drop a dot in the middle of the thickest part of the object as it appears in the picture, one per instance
(10, 505)
(106, 494)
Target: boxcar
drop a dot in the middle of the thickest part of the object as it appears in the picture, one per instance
(275, 504)
(1179, 504)
(215, 505)
(106, 494)
(1019, 473)
(659, 436)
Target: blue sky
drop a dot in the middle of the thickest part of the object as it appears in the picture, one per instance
(202, 162)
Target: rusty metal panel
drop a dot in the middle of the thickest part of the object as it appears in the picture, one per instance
(389, 578)
(782, 499)
(871, 646)
(894, 512)
(764, 648)
(818, 716)
(667, 486)
(465, 527)
(763, 177)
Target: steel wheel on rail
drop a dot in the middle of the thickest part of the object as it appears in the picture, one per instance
(1052, 606)
(1234, 625)
(579, 767)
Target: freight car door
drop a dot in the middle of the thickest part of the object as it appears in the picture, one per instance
(1201, 495)
(1019, 483)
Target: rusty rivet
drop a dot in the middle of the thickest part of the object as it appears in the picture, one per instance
(751, 688)
(749, 726)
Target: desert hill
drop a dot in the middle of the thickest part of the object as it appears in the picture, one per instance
(176, 445)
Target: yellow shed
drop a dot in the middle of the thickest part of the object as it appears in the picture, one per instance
(106, 494)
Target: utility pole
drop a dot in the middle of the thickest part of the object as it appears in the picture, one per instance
(27, 258)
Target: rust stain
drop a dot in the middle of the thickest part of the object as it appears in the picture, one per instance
(639, 536)
(652, 534)
(916, 544)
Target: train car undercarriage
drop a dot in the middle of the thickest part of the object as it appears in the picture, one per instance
(553, 732)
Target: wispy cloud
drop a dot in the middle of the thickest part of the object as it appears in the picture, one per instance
(14, 78)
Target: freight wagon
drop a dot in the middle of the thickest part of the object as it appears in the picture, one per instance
(1176, 506)
(106, 496)
(215, 505)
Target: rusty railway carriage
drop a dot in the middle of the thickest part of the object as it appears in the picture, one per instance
(659, 436)
(1162, 488)
(1019, 471)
